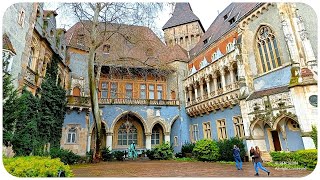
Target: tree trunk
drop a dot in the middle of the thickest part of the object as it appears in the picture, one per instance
(93, 86)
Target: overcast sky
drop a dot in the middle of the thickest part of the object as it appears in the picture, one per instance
(206, 12)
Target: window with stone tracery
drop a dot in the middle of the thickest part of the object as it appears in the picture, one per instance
(238, 127)
(268, 50)
(71, 137)
(221, 128)
(127, 134)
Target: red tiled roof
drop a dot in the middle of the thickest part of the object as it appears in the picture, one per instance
(267, 92)
(6, 43)
(220, 25)
(182, 14)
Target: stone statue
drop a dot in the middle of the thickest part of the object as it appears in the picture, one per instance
(132, 153)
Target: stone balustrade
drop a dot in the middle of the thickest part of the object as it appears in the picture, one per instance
(228, 99)
(85, 101)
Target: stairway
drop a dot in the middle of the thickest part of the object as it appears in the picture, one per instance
(266, 156)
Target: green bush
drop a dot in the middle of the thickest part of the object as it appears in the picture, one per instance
(307, 158)
(118, 155)
(187, 147)
(279, 156)
(226, 148)
(162, 151)
(303, 158)
(106, 154)
(35, 166)
(66, 156)
(206, 150)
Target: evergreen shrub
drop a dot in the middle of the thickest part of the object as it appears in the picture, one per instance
(106, 154)
(161, 152)
(35, 166)
(187, 147)
(66, 156)
(118, 155)
(226, 148)
(206, 150)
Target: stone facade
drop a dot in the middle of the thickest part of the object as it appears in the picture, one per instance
(252, 75)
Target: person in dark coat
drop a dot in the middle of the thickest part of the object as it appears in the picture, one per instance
(237, 158)
(258, 162)
(252, 154)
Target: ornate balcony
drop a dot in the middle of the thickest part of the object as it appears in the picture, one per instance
(214, 102)
(30, 77)
(76, 101)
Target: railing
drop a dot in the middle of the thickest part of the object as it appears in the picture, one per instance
(220, 91)
(229, 87)
(85, 101)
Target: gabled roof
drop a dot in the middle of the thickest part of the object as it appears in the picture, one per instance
(134, 46)
(6, 44)
(267, 92)
(182, 14)
(222, 25)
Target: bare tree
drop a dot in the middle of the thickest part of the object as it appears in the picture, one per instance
(105, 22)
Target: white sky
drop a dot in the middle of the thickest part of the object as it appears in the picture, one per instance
(206, 12)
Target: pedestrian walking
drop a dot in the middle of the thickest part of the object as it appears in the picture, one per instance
(237, 158)
(252, 154)
(258, 162)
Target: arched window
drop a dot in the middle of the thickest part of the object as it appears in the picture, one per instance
(155, 137)
(71, 138)
(76, 91)
(214, 56)
(268, 49)
(127, 134)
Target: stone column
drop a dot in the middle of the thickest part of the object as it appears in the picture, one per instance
(89, 142)
(215, 84)
(195, 87)
(148, 140)
(208, 85)
(223, 81)
(190, 92)
(109, 140)
(201, 88)
(231, 76)
(167, 137)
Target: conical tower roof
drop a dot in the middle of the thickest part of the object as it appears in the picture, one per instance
(182, 14)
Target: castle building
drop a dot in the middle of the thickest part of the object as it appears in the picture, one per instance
(30, 41)
(252, 74)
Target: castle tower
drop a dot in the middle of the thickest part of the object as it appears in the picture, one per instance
(183, 28)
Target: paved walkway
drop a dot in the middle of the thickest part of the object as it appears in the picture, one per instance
(173, 168)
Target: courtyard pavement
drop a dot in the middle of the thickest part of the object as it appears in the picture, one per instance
(171, 168)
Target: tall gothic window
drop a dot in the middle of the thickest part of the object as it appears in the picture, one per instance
(127, 134)
(268, 49)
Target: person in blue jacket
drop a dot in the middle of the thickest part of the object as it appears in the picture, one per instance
(237, 158)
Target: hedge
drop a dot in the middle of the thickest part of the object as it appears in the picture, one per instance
(35, 166)
(160, 152)
(305, 158)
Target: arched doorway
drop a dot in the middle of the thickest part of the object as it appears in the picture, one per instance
(128, 129)
(103, 138)
(157, 135)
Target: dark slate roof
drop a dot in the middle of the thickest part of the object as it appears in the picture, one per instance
(268, 92)
(220, 25)
(6, 43)
(182, 14)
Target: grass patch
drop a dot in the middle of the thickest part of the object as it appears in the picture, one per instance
(286, 166)
(227, 162)
(185, 159)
